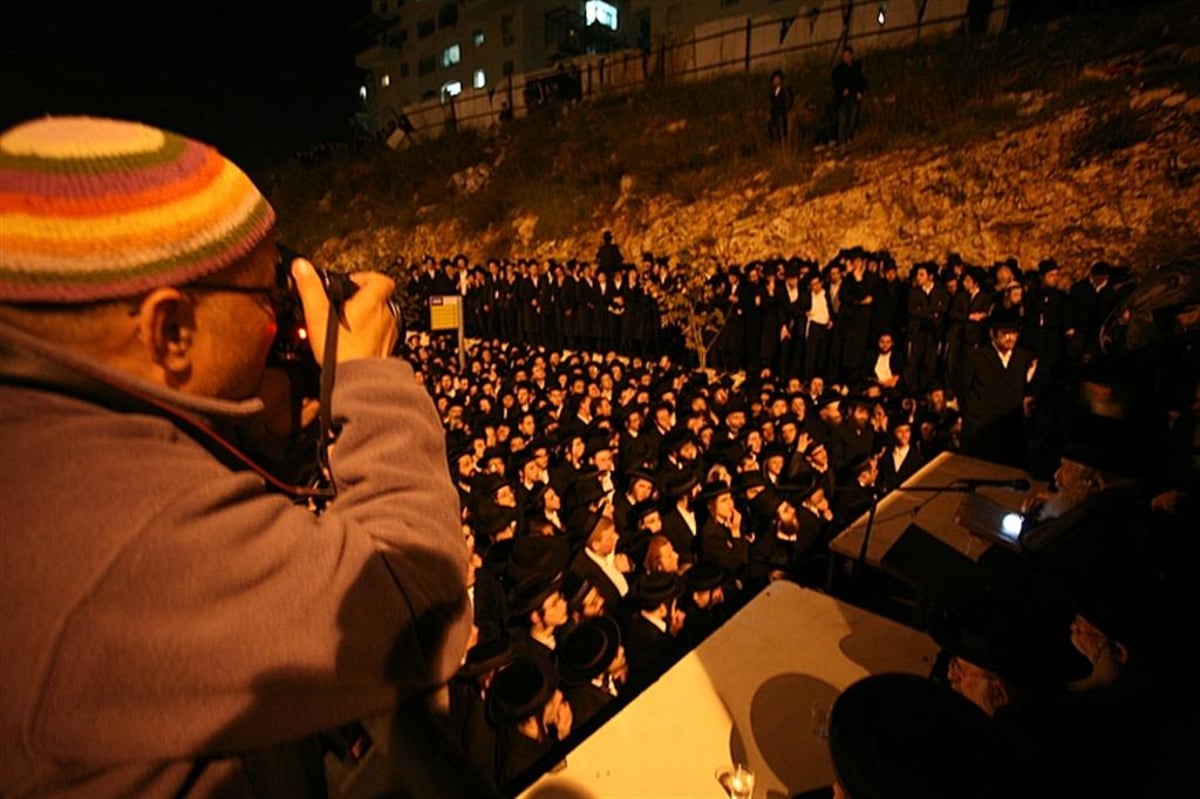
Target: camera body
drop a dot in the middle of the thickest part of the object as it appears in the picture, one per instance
(291, 346)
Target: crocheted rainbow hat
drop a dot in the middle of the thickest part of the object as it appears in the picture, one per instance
(94, 209)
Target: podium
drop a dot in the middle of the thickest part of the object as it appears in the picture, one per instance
(757, 691)
(934, 512)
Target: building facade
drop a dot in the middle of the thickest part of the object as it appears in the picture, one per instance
(425, 50)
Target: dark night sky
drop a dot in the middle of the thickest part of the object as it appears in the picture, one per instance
(255, 78)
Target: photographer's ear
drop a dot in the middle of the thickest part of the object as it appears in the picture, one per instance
(167, 332)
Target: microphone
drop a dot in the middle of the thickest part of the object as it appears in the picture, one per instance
(1016, 484)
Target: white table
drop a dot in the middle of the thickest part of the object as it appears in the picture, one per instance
(757, 691)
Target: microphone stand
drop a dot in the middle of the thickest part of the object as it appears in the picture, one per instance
(958, 486)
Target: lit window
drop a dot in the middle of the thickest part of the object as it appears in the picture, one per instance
(477, 38)
(451, 55)
(480, 79)
(450, 89)
(599, 12)
(385, 81)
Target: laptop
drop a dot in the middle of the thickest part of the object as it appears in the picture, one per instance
(991, 521)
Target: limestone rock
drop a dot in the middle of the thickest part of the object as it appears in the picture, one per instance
(471, 179)
(1148, 98)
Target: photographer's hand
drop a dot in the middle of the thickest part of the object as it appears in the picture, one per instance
(370, 329)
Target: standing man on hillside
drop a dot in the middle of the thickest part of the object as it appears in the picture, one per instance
(177, 624)
(608, 256)
(780, 106)
(849, 85)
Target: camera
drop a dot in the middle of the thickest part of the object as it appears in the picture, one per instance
(291, 347)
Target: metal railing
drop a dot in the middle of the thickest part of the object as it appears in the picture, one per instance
(701, 55)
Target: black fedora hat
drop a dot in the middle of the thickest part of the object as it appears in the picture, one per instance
(587, 650)
(656, 589)
(521, 689)
(1003, 638)
(490, 519)
(487, 656)
(677, 482)
(529, 595)
(532, 555)
(705, 576)
(714, 489)
(899, 736)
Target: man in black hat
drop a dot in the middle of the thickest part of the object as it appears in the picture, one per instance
(601, 565)
(791, 300)
(650, 642)
(858, 298)
(538, 612)
(813, 467)
(849, 85)
(467, 720)
(853, 439)
(928, 302)
(855, 495)
(1015, 665)
(819, 319)
(732, 299)
(997, 394)
(679, 522)
(1048, 310)
(903, 456)
(1090, 302)
(894, 736)
(721, 538)
(703, 602)
(639, 488)
(780, 544)
(530, 715)
(608, 256)
(780, 106)
(590, 662)
(969, 308)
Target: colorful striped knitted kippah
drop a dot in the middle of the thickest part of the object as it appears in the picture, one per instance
(94, 209)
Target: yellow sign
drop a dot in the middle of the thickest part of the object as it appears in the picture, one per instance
(445, 312)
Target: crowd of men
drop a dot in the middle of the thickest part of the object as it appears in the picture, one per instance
(619, 505)
(187, 620)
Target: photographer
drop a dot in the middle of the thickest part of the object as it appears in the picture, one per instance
(177, 623)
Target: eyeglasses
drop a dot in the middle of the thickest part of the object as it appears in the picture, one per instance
(276, 295)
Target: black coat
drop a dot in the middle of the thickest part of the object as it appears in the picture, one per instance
(680, 535)
(586, 702)
(993, 421)
(927, 313)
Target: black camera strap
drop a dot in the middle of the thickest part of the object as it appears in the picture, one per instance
(329, 431)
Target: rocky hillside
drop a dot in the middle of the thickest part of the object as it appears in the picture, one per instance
(1102, 162)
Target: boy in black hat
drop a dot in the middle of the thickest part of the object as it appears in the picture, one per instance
(538, 612)
(529, 713)
(592, 665)
(721, 538)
